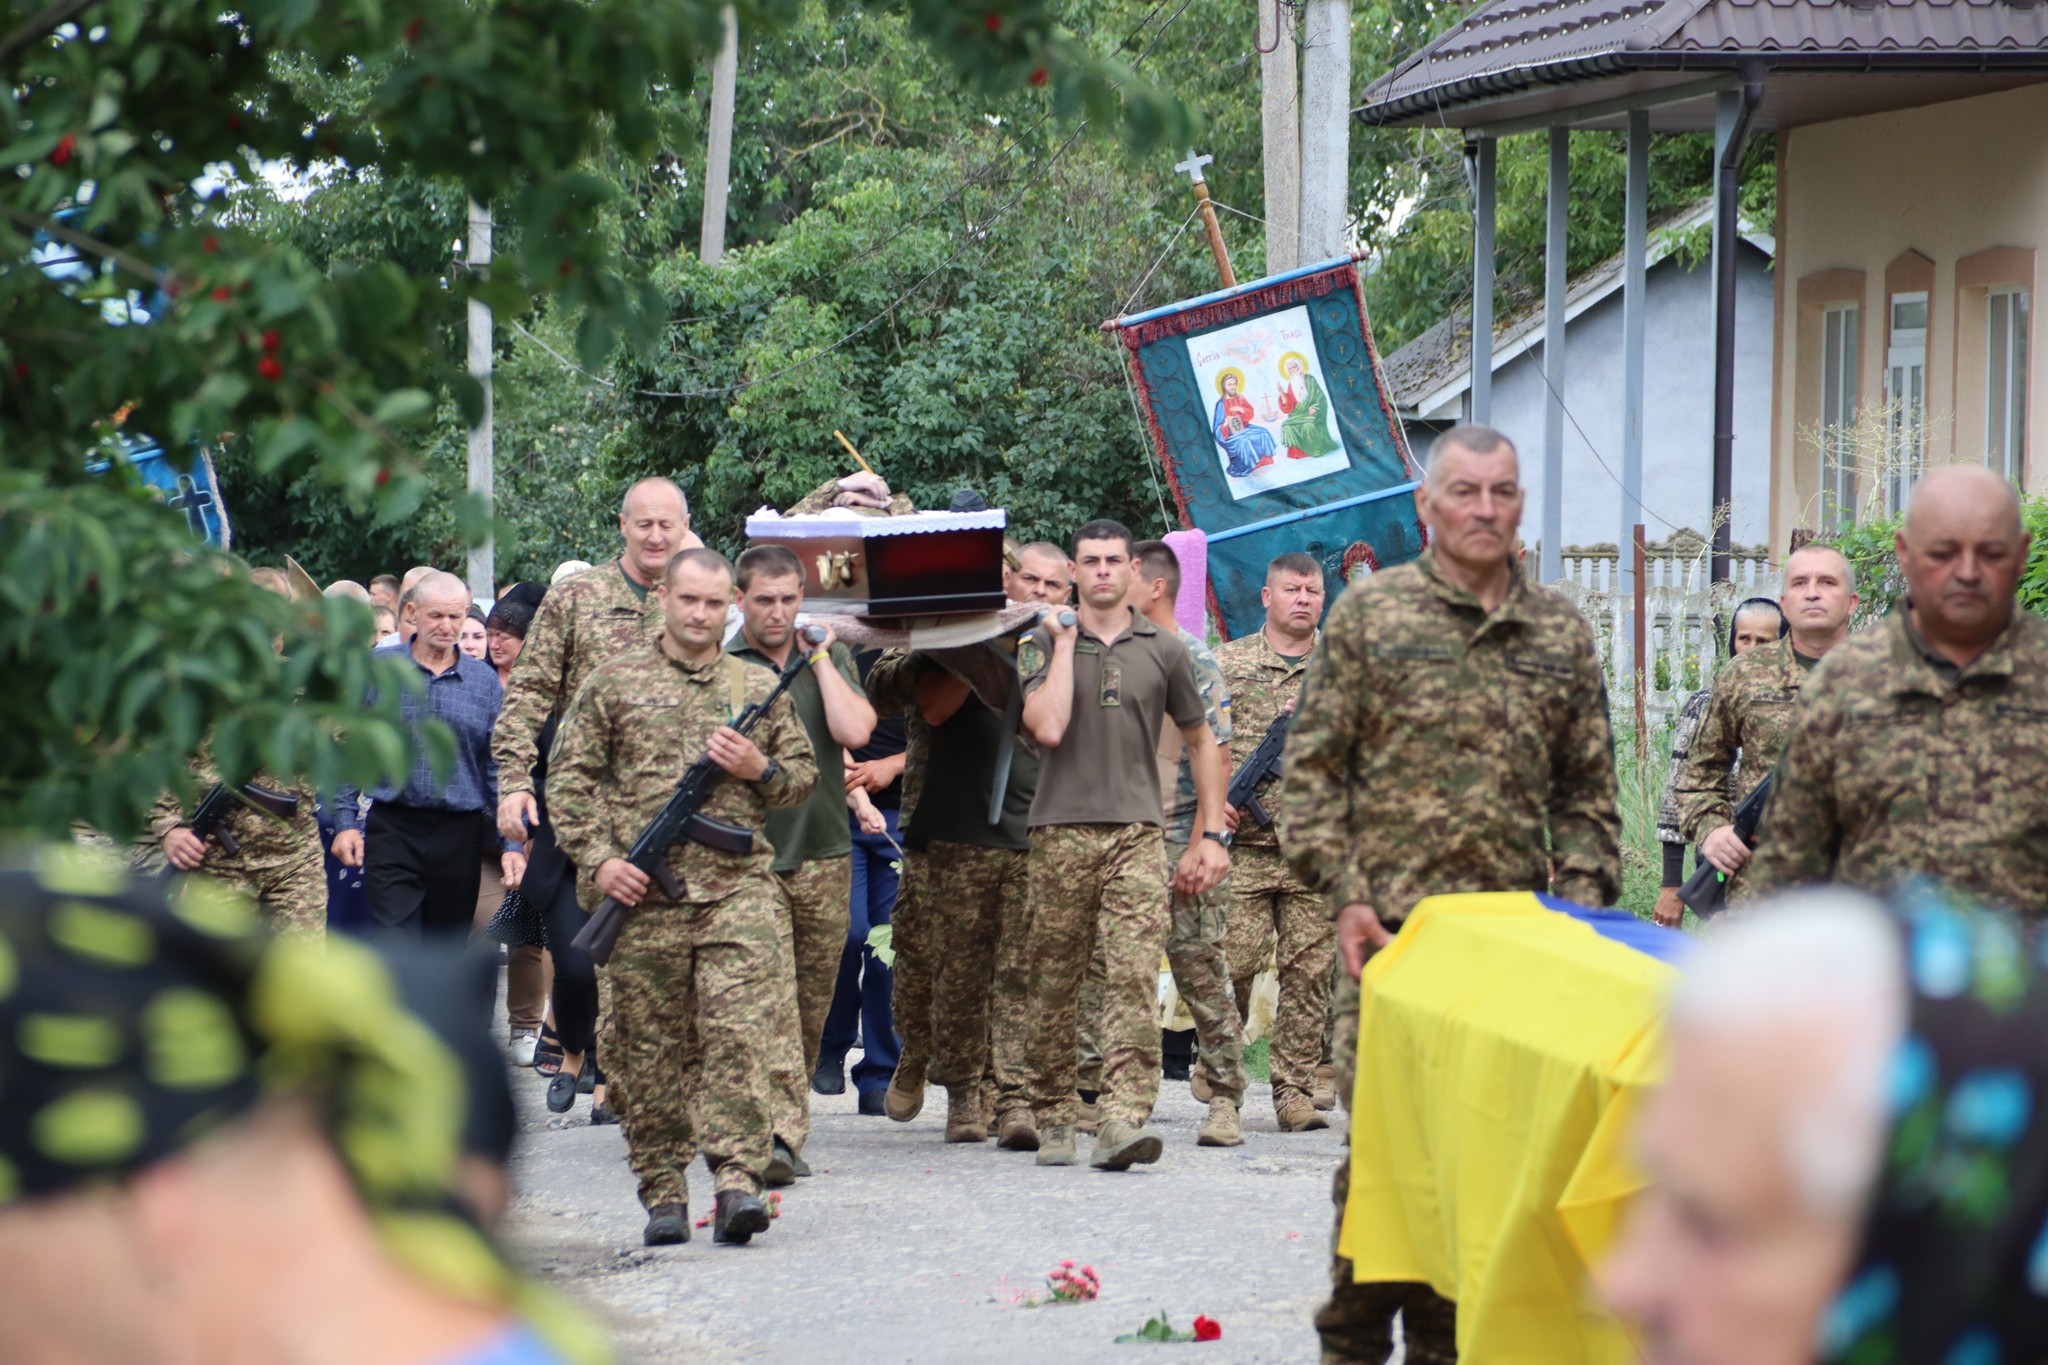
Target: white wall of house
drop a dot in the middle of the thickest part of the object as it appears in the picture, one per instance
(1678, 409)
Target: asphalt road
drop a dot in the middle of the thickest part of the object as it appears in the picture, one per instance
(902, 1248)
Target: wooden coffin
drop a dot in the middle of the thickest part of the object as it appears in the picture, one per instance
(924, 564)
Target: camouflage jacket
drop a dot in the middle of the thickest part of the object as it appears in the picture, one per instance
(1896, 766)
(1177, 776)
(819, 499)
(634, 727)
(1750, 714)
(1261, 684)
(268, 845)
(583, 622)
(1436, 743)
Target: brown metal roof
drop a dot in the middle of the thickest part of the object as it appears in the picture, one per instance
(1511, 60)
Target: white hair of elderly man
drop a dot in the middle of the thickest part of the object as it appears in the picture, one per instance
(1823, 962)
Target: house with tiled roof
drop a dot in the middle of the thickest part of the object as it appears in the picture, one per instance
(1912, 159)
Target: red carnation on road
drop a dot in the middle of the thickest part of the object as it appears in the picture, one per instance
(1207, 1329)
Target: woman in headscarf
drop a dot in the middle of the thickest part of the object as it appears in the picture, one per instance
(505, 915)
(1850, 1156)
(1757, 621)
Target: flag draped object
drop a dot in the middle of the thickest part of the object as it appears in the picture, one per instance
(1506, 1043)
(1266, 409)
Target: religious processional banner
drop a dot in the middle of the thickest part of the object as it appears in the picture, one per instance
(1266, 407)
(1506, 1043)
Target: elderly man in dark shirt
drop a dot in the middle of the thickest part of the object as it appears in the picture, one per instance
(419, 849)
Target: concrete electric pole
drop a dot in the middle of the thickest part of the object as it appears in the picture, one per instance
(718, 154)
(1280, 116)
(1325, 129)
(482, 464)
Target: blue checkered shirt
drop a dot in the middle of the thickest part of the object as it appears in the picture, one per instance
(465, 698)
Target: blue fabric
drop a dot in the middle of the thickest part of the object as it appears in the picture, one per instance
(348, 905)
(1666, 945)
(865, 985)
(518, 1345)
(1248, 449)
(466, 698)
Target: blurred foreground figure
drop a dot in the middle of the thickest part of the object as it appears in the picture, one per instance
(217, 1146)
(1850, 1157)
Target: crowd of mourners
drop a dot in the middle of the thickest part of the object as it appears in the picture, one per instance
(964, 862)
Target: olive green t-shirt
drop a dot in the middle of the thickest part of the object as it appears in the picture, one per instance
(818, 828)
(952, 808)
(1105, 769)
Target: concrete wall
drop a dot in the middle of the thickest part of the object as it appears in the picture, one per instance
(1954, 193)
(1678, 409)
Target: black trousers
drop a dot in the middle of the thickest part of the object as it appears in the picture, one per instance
(422, 867)
(575, 989)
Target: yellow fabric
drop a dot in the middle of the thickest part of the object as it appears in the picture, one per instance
(1503, 1049)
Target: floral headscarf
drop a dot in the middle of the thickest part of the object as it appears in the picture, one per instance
(1954, 1264)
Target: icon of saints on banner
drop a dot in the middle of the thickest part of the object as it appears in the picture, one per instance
(1270, 414)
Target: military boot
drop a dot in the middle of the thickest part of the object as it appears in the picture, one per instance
(1056, 1147)
(1223, 1128)
(1018, 1131)
(904, 1099)
(1198, 1083)
(1118, 1146)
(1324, 1096)
(1297, 1114)
(966, 1120)
(740, 1215)
(781, 1169)
(667, 1225)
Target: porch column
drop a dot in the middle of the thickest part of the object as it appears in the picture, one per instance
(1552, 563)
(1634, 306)
(1479, 157)
(1733, 113)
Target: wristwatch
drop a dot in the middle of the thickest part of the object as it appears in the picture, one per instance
(1218, 835)
(768, 773)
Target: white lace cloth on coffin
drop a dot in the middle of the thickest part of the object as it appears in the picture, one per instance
(838, 521)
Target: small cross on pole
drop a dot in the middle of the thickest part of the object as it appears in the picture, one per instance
(1193, 166)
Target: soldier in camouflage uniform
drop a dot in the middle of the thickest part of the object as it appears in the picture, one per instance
(1094, 700)
(1452, 717)
(1268, 901)
(1750, 712)
(584, 621)
(279, 867)
(699, 1005)
(1922, 743)
(1195, 924)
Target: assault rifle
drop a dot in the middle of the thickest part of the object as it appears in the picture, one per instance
(1705, 892)
(683, 818)
(210, 818)
(1264, 763)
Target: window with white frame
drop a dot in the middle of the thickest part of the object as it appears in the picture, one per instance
(2005, 381)
(1838, 360)
(1905, 398)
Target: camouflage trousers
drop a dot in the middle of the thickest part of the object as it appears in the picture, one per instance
(695, 1009)
(1194, 951)
(289, 886)
(910, 998)
(817, 907)
(1090, 884)
(975, 898)
(1356, 1323)
(1269, 901)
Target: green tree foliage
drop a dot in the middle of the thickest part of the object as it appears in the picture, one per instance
(329, 369)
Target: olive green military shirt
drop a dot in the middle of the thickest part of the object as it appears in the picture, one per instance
(819, 827)
(1439, 747)
(1105, 769)
(1896, 767)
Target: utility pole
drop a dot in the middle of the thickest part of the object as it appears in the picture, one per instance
(1280, 117)
(725, 73)
(482, 474)
(1193, 166)
(1325, 129)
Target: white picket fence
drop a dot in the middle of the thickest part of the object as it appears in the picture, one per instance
(1686, 624)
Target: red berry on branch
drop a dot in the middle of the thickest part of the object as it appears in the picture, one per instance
(61, 154)
(993, 23)
(221, 293)
(234, 121)
(210, 244)
(270, 369)
(21, 369)
(1038, 75)
(412, 31)
(383, 477)
(271, 340)
(566, 269)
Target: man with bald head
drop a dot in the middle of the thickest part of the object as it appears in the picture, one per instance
(421, 848)
(1922, 746)
(1755, 698)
